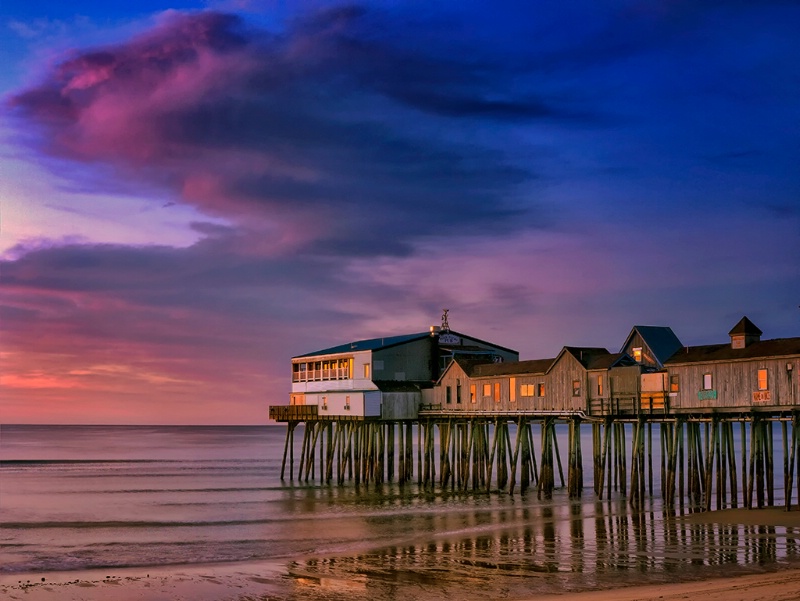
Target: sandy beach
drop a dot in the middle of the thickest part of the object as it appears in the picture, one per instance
(270, 582)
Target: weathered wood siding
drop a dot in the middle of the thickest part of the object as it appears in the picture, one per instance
(621, 391)
(560, 389)
(734, 384)
(400, 405)
(647, 355)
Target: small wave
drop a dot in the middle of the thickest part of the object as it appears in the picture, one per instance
(127, 524)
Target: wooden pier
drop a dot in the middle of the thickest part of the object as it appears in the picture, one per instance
(700, 426)
(703, 461)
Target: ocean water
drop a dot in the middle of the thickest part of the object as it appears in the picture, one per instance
(85, 497)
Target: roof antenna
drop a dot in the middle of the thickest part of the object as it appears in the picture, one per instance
(445, 325)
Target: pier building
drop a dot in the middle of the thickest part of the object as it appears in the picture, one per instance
(467, 398)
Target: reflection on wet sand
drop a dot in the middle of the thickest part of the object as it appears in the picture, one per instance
(553, 547)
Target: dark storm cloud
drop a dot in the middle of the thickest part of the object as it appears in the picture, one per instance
(331, 113)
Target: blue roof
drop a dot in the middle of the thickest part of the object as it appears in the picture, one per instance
(661, 340)
(373, 344)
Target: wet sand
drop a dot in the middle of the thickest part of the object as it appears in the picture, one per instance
(270, 582)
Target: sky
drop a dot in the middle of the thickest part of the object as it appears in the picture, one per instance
(194, 192)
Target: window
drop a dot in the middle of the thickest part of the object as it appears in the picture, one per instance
(637, 354)
(487, 390)
(448, 395)
(762, 379)
(366, 371)
(576, 388)
(540, 393)
(334, 369)
(497, 392)
(473, 395)
(674, 383)
(347, 403)
(599, 385)
(708, 383)
(512, 389)
(458, 392)
(324, 403)
(526, 390)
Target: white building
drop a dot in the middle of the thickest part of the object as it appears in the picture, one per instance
(387, 378)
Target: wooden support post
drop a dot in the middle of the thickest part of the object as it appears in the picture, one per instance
(732, 468)
(681, 465)
(607, 426)
(534, 467)
(515, 456)
(546, 478)
(289, 428)
(558, 456)
(792, 458)
(650, 457)
(770, 462)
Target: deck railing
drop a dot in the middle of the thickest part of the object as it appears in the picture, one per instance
(292, 413)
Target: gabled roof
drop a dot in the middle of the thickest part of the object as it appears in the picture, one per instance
(745, 327)
(661, 340)
(372, 344)
(779, 347)
(585, 355)
(512, 368)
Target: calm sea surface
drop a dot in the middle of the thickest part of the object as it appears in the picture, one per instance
(77, 497)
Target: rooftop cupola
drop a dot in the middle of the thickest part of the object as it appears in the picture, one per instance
(744, 333)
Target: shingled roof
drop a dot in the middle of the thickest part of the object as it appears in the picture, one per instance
(476, 367)
(778, 347)
(745, 327)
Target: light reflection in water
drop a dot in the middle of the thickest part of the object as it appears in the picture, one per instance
(545, 547)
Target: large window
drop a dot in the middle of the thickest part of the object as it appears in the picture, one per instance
(512, 389)
(708, 382)
(487, 390)
(526, 390)
(674, 383)
(763, 383)
(331, 369)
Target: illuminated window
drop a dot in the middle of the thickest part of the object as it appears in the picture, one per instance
(599, 385)
(762, 379)
(637, 354)
(526, 390)
(540, 393)
(472, 394)
(674, 383)
(366, 371)
(512, 389)
(576, 388)
(487, 390)
(708, 383)
(497, 392)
